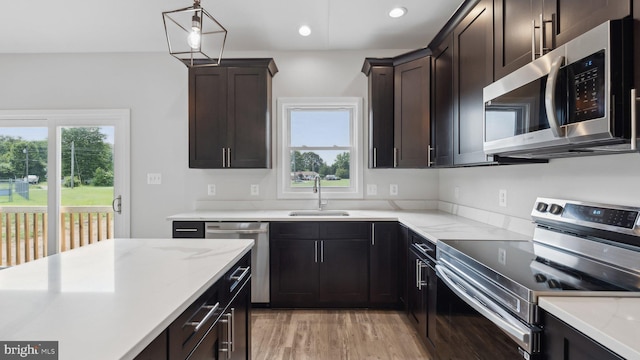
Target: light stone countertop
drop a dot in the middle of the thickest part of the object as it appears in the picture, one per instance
(109, 300)
(432, 224)
(612, 322)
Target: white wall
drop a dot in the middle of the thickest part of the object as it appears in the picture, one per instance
(609, 179)
(154, 87)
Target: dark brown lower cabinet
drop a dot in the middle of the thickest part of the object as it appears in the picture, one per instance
(383, 265)
(563, 342)
(422, 290)
(310, 273)
(217, 325)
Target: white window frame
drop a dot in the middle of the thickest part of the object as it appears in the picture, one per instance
(354, 105)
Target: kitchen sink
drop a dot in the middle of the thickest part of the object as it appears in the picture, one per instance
(318, 213)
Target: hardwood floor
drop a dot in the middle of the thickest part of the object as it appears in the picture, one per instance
(333, 334)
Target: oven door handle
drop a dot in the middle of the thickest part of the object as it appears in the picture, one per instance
(519, 332)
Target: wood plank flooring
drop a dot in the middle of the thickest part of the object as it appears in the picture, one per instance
(333, 334)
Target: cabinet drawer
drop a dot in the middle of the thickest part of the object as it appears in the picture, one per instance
(426, 246)
(188, 229)
(344, 230)
(294, 230)
(191, 326)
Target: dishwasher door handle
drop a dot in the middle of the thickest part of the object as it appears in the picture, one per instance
(242, 232)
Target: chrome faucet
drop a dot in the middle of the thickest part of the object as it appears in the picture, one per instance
(317, 188)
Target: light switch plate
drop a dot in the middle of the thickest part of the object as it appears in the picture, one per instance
(393, 189)
(211, 189)
(372, 189)
(255, 189)
(154, 179)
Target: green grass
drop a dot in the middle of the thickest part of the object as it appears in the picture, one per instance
(323, 183)
(78, 196)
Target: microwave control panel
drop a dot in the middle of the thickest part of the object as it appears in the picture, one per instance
(586, 88)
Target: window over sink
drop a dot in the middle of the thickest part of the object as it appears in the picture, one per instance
(320, 137)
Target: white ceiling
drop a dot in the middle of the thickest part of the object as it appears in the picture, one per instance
(71, 26)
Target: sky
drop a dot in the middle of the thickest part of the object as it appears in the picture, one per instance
(320, 128)
(40, 133)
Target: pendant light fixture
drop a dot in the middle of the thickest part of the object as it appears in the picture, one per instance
(194, 36)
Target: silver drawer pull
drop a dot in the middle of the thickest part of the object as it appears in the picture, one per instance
(238, 278)
(199, 324)
(186, 230)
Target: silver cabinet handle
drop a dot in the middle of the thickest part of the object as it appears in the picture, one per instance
(375, 157)
(229, 339)
(186, 230)
(316, 250)
(322, 251)
(395, 157)
(418, 274)
(199, 324)
(373, 234)
(550, 97)
(421, 283)
(224, 157)
(229, 157)
(634, 120)
(533, 39)
(542, 34)
(429, 150)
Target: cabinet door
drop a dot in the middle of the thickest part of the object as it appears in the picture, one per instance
(570, 18)
(157, 350)
(344, 272)
(383, 265)
(417, 295)
(513, 30)
(442, 105)
(381, 117)
(294, 272)
(403, 266)
(411, 113)
(431, 309)
(236, 328)
(209, 347)
(562, 342)
(473, 70)
(207, 116)
(249, 122)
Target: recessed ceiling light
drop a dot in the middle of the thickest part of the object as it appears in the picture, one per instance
(304, 30)
(397, 12)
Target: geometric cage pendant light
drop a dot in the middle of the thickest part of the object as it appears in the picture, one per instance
(194, 36)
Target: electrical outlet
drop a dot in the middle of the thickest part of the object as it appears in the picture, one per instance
(255, 189)
(393, 189)
(211, 189)
(154, 179)
(456, 193)
(502, 197)
(372, 189)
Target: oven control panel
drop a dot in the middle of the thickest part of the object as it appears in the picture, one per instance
(607, 217)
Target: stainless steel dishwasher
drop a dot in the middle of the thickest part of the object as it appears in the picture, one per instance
(259, 232)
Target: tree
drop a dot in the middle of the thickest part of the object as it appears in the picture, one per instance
(297, 163)
(312, 161)
(90, 149)
(342, 165)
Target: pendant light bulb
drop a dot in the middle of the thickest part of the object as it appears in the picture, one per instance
(195, 35)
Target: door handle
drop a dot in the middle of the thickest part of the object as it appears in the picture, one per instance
(224, 157)
(229, 157)
(116, 204)
(634, 120)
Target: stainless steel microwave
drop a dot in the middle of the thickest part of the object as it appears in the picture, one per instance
(576, 100)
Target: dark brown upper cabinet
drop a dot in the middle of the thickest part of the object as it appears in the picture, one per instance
(230, 114)
(380, 111)
(412, 126)
(472, 71)
(442, 102)
(399, 110)
(518, 32)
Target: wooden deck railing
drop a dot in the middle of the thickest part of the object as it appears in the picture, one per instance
(24, 230)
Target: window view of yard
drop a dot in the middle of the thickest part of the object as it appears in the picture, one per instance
(86, 190)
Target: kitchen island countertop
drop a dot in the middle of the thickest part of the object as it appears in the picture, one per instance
(110, 299)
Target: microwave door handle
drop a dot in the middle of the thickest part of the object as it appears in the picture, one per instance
(550, 97)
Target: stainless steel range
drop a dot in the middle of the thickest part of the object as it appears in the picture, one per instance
(488, 290)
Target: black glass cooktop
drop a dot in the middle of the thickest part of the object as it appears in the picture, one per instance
(520, 262)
